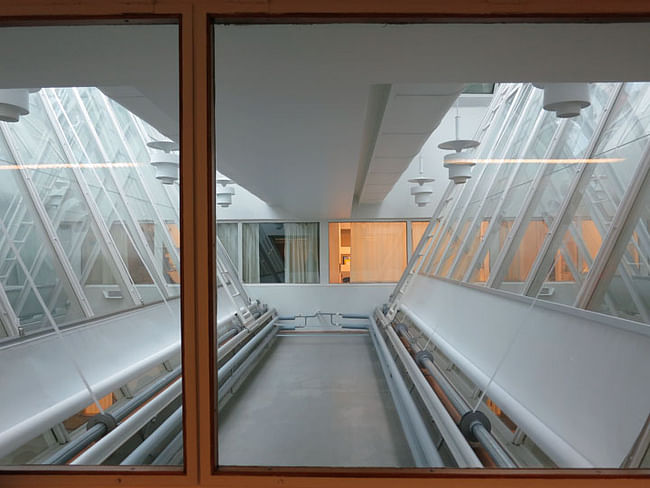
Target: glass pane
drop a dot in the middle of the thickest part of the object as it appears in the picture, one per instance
(367, 252)
(358, 369)
(89, 249)
(281, 252)
(623, 140)
(572, 143)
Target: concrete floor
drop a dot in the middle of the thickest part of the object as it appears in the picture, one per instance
(314, 400)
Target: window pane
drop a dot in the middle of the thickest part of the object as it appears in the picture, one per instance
(367, 252)
(90, 247)
(281, 252)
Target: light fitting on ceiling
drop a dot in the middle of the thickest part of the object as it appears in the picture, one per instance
(565, 99)
(422, 190)
(13, 104)
(458, 164)
(224, 192)
(165, 159)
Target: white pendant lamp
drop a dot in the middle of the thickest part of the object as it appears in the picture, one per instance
(458, 163)
(565, 99)
(165, 160)
(224, 192)
(422, 191)
(13, 104)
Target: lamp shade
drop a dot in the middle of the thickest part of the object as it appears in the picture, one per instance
(460, 169)
(566, 99)
(422, 194)
(224, 195)
(166, 165)
(13, 104)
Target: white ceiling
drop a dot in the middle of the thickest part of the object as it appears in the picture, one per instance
(312, 117)
(307, 115)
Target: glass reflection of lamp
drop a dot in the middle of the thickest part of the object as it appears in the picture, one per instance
(224, 192)
(165, 160)
(422, 191)
(13, 104)
(565, 99)
(459, 166)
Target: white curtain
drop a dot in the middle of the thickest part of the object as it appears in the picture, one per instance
(227, 234)
(251, 253)
(301, 253)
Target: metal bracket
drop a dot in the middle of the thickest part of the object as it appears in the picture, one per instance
(468, 420)
(420, 356)
(102, 418)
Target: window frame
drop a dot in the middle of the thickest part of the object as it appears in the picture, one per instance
(198, 310)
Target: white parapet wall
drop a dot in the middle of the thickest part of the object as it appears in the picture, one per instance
(577, 382)
(41, 383)
(292, 299)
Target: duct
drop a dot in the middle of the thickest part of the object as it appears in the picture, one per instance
(424, 450)
(552, 444)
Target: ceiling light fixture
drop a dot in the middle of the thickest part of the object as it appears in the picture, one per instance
(224, 192)
(165, 160)
(422, 190)
(565, 99)
(459, 166)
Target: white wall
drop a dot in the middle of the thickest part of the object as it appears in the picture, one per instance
(291, 299)
(575, 381)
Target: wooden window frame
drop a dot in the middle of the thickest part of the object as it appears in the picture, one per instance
(195, 18)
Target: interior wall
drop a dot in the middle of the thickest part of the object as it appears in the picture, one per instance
(307, 299)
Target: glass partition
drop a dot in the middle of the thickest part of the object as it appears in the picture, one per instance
(90, 249)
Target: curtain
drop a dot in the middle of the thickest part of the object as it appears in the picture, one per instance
(377, 251)
(227, 234)
(251, 253)
(301, 253)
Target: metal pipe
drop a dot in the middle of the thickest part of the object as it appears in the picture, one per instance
(354, 316)
(477, 429)
(75, 446)
(228, 347)
(428, 448)
(171, 426)
(227, 335)
(354, 326)
(167, 454)
(456, 442)
(102, 449)
(245, 365)
(243, 352)
(557, 448)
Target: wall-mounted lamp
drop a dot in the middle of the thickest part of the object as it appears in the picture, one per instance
(165, 160)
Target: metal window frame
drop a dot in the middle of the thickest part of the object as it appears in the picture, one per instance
(546, 255)
(60, 260)
(105, 240)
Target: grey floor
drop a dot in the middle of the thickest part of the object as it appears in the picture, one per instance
(314, 400)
